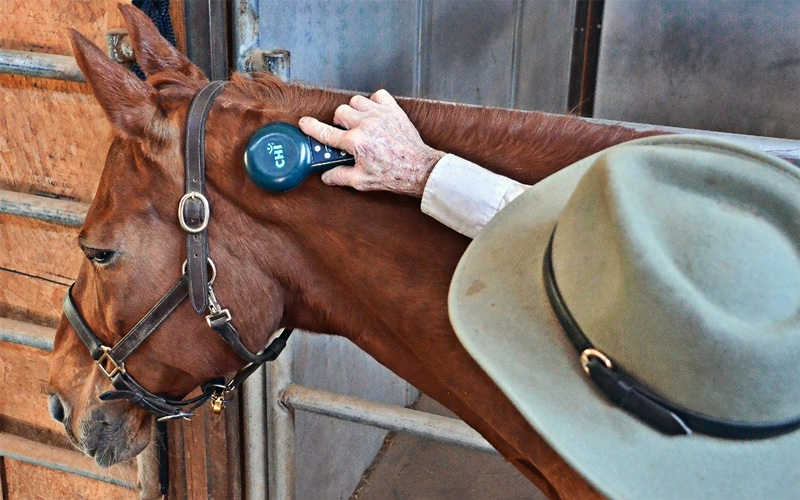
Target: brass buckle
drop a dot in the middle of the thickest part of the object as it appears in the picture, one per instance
(206, 212)
(586, 356)
(106, 358)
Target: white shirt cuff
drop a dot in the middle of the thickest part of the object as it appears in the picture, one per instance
(465, 196)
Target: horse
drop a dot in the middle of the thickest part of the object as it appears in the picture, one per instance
(368, 266)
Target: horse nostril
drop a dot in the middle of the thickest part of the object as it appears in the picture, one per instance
(56, 408)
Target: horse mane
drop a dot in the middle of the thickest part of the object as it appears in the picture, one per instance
(261, 92)
(537, 143)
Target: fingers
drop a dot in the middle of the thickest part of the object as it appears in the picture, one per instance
(383, 97)
(339, 176)
(347, 117)
(324, 133)
(361, 103)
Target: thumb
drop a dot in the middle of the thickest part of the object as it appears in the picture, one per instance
(340, 176)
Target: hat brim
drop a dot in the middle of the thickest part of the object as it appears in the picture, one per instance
(501, 314)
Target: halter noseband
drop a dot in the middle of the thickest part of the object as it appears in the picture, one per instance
(194, 284)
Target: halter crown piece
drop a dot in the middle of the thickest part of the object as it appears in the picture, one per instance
(195, 284)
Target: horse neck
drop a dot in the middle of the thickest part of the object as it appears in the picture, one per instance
(360, 262)
(526, 146)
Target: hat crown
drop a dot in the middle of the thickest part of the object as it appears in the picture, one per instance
(682, 264)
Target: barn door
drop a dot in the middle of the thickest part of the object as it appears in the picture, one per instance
(49, 170)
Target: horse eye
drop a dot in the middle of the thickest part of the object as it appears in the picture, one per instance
(100, 256)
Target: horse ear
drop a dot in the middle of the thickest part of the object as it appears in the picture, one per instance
(129, 103)
(154, 53)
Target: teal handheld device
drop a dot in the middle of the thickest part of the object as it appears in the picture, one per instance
(279, 156)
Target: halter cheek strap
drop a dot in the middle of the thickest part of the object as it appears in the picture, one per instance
(194, 214)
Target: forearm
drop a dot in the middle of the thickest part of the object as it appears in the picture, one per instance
(465, 196)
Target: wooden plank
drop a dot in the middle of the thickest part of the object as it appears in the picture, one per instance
(32, 482)
(45, 27)
(30, 299)
(234, 436)
(40, 154)
(23, 394)
(205, 455)
(71, 466)
(39, 249)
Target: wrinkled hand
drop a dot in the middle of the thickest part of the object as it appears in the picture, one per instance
(389, 152)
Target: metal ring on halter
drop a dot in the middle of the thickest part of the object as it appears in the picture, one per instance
(213, 270)
(594, 353)
(206, 212)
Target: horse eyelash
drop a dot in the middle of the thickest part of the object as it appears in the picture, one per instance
(100, 257)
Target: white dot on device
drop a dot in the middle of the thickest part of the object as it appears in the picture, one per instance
(327, 155)
(317, 148)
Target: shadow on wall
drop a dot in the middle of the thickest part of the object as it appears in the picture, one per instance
(726, 66)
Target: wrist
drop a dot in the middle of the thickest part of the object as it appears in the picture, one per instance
(425, 165)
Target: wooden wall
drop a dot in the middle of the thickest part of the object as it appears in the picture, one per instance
(53, 140)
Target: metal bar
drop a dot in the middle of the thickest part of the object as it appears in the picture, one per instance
(27, 334)
(36, 453)
(255, 445)
(280, 425)
(516, 49)
(63, 212)
(785, 148)
(421, 54)
(20, 62)
(392, 418)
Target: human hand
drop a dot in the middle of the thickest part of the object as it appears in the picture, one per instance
(389, 152)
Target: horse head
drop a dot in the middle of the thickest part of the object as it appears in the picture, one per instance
(134, 248)
(368, 266)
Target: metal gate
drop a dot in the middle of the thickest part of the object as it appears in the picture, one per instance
(534, 54)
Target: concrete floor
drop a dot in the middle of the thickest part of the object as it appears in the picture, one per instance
(409, 468)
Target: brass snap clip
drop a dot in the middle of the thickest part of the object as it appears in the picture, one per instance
(218, 403)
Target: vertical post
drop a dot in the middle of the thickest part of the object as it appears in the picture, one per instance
(255, 439)
(280, 429)
(207, 36)
(585, 54)
(245, 30)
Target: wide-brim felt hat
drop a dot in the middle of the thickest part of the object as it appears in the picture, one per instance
(678, 258)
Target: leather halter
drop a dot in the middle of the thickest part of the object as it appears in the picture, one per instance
(194, 215)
